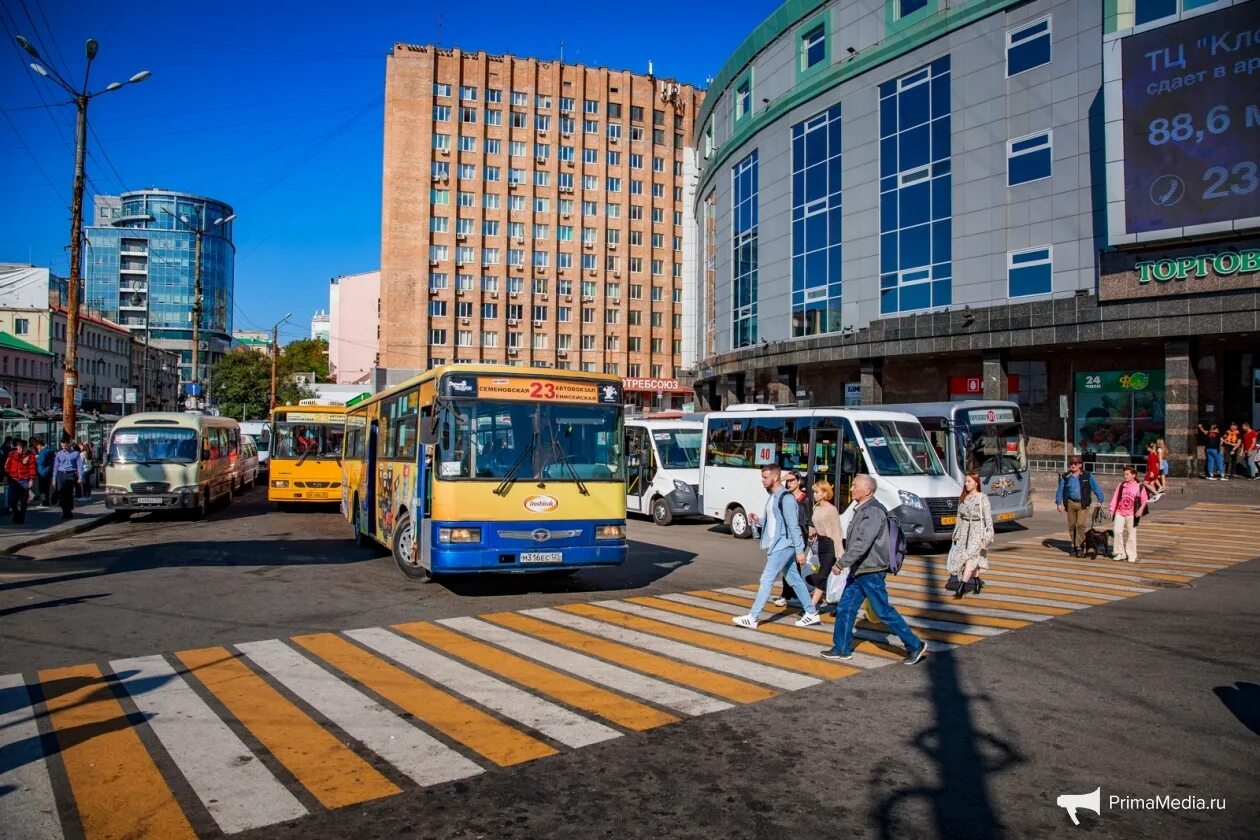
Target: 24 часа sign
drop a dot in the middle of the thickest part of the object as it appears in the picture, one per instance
(1192, 121)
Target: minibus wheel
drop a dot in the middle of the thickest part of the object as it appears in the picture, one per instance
(361, 540)
(401, 550)
(661, 514)
(738, 522)
(202, 510)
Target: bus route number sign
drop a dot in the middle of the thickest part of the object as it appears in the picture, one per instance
(764, 453)
(537, 389)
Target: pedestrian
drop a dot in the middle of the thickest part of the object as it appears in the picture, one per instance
(784, 542)
(67, 475)
(973, 534)
(1153, 481)
(1162, 449)
(795, 484)
(1231, 449)
(20, 467)
(866, 557)
(1212, 452)
(825, 530)
(1128, 504)
(1251, 451)
(1073, 498)
(44, 455)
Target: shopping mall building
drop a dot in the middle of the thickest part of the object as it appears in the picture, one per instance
(919, 200)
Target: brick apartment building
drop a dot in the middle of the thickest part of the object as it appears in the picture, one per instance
(534, 213)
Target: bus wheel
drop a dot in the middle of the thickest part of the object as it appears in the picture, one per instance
(361, 540)
(202, 510)
(661, 514)
(738, 522)
(402, 550)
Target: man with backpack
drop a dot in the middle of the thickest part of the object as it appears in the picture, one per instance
(784, 542)
(794, 483)
(869, 554)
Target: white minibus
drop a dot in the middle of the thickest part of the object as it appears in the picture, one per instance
(260, 431)
(834, 444)
(663, 468)
(171, 461)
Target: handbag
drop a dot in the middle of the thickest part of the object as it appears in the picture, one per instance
(835, 585)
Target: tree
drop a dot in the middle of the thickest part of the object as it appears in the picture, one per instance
(241, 385)
(304, 356)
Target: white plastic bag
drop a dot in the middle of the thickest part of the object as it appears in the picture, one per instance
(835, 583)
(811, 565)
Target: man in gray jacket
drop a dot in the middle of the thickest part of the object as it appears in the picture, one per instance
(866, 558)
(784, 543)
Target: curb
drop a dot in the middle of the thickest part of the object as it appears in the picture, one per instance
(59, 532)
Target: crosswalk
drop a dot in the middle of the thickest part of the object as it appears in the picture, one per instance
(214, 741)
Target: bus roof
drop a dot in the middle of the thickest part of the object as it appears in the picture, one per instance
(177, 419)
(862, 413)
(310, 409)
(664, 423)
(488, 370)
(948, 409)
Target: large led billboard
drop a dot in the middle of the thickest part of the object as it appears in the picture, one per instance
(1183, 127)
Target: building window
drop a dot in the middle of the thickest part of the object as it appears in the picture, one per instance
(1029, 272)
(493, 95)
(1028, 47)
(1028, 159)
(744, 251)
(437, 337)
(816, 224)
(441, 113)
(440, 89)
(904, 8)
(743, 99)
(915, 183)
(814, 46)
(21, 326)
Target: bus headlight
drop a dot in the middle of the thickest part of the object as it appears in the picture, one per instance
(190, 488)
(109, 488)
(911, 499)
(610, 532)
(459, 535)
(282, 484)
(682, 487)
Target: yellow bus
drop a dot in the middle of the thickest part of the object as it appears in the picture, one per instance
(481, 468)
(305, 463)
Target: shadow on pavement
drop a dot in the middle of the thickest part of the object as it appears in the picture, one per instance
(55, 602)
(1243, 701)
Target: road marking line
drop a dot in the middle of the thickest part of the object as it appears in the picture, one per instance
(599, 672)
(415, 753)
(464, 723)
(777, 677)
(580, 694)
(1062, 582)
(554, 721)
(117, 789)
(1053, 571)
(944, 605)
(1090, 570)
(331, 771)
(237, 789)
(707, 621)
(705, 680)
(1062, 597)
(28, 800)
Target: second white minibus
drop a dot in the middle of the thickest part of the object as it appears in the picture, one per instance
(663, 468)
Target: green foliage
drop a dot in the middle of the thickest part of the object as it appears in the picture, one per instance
(305, 355)
(240, 385)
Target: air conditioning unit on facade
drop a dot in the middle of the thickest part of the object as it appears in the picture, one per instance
(538, 323)
(461, 236)
(545, 296)
(511, 322)
(460, 292)
(512, 351)
(464, 321)
(515, 295)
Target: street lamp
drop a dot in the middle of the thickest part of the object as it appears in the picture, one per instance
(81, 98)
(199, 231)
(275, 352)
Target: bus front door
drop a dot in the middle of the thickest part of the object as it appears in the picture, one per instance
(638, 470)
(823, 445)
(371, 478)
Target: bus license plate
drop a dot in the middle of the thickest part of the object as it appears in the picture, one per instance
(542, 557)
(948, 520)
(1003, 517)
(148, 500)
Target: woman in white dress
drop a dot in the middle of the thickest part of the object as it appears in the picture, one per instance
(973, 534)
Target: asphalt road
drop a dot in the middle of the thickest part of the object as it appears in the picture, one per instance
(1153, 694)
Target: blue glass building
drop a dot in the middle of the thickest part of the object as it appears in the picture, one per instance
(139, 270)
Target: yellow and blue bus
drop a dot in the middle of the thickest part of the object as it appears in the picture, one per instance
(305, 462)
(480, 468)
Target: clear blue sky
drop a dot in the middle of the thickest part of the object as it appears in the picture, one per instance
(277, 109)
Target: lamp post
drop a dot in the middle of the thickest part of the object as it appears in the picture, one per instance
(275, 353)
(81, 98)
(199, 230)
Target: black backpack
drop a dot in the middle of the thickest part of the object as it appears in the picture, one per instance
(804, 513)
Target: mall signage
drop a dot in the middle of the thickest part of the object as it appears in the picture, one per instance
(1177, 271)
(1199, 266)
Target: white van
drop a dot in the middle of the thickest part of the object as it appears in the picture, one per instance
(663, 468)
(171, 461)
(260, 431)
(834, 444)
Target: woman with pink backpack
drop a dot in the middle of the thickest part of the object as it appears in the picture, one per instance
(1128, 505)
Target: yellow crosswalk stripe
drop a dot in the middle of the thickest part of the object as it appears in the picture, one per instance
(581, 695)
(701, 679)
(106, 762)
(999, 589)
(956, 617)
(331, 771)
(744, 650)
(475, 729)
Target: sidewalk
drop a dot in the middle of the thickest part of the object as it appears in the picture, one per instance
(1239, 490)
(45, 524)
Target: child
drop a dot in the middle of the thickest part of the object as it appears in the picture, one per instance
(1153, 481)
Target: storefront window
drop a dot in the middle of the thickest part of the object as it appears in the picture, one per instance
(1118, 412)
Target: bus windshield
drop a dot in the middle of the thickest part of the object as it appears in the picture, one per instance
(139, 445)
(992, 448)
(678, 449)
(899, 447)
(490, 439)
(309, 440)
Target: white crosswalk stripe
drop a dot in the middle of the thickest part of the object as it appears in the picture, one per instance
(913, 620)
(26, 795)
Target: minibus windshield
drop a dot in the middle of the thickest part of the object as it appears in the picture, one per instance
(139, 445)
(899, 447)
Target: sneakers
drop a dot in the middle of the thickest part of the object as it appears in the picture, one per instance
(1157, 497)
(1131, 559)
(832, 653)
(745, 621)
(808, 620)
(1211, 478)
(913, 656)
(779, 602)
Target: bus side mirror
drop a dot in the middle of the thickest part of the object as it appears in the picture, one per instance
(428, 430)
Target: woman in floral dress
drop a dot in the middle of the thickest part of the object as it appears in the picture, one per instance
(973, 534)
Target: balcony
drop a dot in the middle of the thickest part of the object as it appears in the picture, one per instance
(134, 269)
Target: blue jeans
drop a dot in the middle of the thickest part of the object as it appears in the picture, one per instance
(783, 562)
(1215, 462)
(872, 588)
